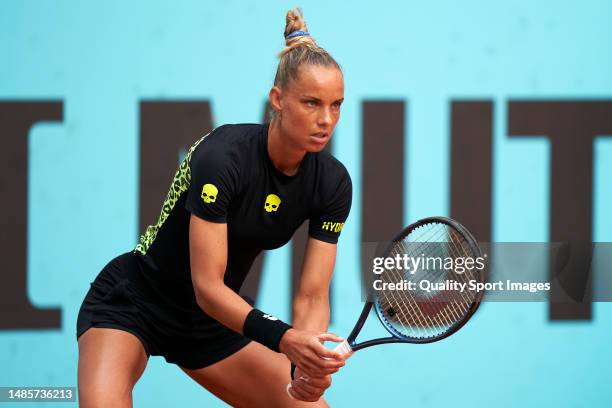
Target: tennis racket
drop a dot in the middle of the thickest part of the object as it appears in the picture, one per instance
(423, 315)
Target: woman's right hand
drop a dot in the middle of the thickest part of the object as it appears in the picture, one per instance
(306, 350)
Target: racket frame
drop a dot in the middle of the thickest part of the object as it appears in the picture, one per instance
(397, 337)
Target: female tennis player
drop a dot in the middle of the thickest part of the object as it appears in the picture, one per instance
(240, 189)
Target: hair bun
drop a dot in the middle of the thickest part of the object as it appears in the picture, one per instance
(294, 21)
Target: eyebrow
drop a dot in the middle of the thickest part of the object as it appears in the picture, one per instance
(319, 100)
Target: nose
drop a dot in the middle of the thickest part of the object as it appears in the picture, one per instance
(325, 117)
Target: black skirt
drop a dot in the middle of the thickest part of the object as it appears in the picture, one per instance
(122, 297)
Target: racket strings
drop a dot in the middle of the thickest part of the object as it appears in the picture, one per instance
(460, 277)
(417, 313)
(448, 310)
(457, 304)
(412, 321)
(425, 310)
(423, 318)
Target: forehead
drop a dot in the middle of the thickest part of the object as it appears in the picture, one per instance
(319, 81)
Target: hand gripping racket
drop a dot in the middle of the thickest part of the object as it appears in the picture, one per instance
(423, 315)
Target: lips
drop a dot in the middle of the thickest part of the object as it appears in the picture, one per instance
(320, 137)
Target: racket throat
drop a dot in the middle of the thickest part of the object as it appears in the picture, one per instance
(360, 322)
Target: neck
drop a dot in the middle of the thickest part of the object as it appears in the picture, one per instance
(285, 157)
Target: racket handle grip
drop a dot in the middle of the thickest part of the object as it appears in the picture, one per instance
(343, 348)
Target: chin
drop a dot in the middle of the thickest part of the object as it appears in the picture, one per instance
(315, 147)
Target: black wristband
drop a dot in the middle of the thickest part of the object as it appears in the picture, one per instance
(264, 328)
(292, 371)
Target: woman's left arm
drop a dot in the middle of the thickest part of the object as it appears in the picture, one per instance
(311, 300)
(311, 308)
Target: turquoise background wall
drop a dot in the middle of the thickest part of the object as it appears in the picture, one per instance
(103, 58)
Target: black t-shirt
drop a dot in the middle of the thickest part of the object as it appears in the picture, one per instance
(228, 177)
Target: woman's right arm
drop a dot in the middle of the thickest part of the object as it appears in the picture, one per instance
(208, 257)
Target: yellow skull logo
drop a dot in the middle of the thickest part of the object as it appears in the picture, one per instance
(209, 193)
(272, 203)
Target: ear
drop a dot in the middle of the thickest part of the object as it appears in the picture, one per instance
(275, 98)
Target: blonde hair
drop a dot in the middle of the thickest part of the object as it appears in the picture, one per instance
(301, 49)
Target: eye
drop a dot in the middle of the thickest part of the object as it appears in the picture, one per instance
(336, 105)
(311, 104)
